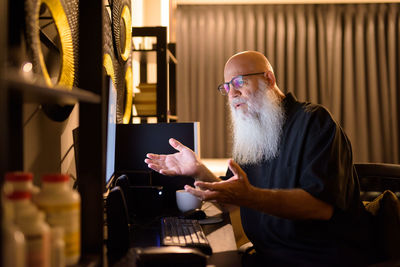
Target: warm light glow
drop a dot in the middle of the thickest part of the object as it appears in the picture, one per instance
(126, 17)
(152, 120)
(136, 120)
(129, 95)
(137, 13)
(67, 49)
(134, 111)
(165, 15)
(27, 67)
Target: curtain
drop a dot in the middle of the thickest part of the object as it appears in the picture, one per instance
(343, 56)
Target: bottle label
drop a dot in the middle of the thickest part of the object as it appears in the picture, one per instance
(68, 217)
(37, 250)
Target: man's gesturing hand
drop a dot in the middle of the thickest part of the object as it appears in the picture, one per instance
(184, 162)
(236, 190)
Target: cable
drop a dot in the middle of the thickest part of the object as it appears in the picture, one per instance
(39, 107)
(66, 154)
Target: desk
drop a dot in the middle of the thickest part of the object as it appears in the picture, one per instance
(220, 236)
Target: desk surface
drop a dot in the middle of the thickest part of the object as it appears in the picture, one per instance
(220, 236)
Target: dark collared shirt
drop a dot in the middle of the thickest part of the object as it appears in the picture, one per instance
(314, 155)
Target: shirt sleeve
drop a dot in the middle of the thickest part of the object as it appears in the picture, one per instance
(228, 175)
(327, 164)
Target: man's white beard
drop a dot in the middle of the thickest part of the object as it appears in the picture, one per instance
(257, 133)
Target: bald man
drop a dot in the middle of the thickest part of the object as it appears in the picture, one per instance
(291, 174)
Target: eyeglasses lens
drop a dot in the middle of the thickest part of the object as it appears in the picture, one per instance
(226, 88)
(237, 82)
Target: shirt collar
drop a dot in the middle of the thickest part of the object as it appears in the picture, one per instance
(289, 103)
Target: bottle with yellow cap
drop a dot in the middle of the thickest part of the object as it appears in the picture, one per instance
(62, 207)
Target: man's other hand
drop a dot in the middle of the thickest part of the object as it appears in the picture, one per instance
(236, 190)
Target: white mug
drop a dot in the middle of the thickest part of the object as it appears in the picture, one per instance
(187, 201)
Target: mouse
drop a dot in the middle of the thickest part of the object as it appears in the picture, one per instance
(196, 214)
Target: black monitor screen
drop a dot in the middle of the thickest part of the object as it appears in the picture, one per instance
(134, 141)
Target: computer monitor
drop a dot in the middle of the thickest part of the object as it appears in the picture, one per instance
(111, 110)
(111, 131)
(134, 141)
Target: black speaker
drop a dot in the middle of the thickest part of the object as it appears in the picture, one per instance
(118, 240)
(123, 182)
(145, 201)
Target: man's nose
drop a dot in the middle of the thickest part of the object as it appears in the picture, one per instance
(234, 92)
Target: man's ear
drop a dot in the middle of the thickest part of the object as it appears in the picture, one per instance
(270, 77)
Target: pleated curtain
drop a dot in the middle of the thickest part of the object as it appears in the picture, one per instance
(343, 56)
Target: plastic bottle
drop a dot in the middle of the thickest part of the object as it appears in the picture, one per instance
(20, 202)
(37, 236)
(13, 239)
(62, 207)
(57, 247)
(20, 181)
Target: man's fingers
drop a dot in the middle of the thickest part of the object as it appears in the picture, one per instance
(159, 169)
(176, 144)
(155, 156)
(202, 194)
(214, 186)
(235, 168)
(155, 167)
(167, 172)
(149, 161)
(205, 185)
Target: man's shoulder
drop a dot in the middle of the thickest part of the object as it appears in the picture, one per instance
(312, 111)
(311, 119)
(307, 109)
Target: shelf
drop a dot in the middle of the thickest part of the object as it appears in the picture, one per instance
(144, 50)
(172, 57)
(169, 53)
(40, 92)
(147, 87)
(173, 117)
(150, 56)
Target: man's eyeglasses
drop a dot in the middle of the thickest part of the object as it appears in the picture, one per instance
(237, 83)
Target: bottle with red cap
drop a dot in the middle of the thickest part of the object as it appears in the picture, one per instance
(35, 230)
(19, 182)
(62, 205)
(37, 234)
(20, 202)
(13, 240)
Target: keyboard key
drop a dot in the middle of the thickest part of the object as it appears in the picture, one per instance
(184, 233)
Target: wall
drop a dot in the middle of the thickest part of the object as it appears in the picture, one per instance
(48, 145)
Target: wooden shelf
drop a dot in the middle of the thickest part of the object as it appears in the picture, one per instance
(173, 117)
(172, 57)
(32, 91)
(144, 50)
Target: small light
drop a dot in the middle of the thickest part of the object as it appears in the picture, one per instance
(27, 67)
(134, 110)
(160, 193)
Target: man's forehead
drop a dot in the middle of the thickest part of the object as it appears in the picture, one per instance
(243, 64)
(231, 73)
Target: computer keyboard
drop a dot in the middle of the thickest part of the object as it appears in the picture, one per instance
(185, 233)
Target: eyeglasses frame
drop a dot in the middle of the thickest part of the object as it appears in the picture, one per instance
(224, 92)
